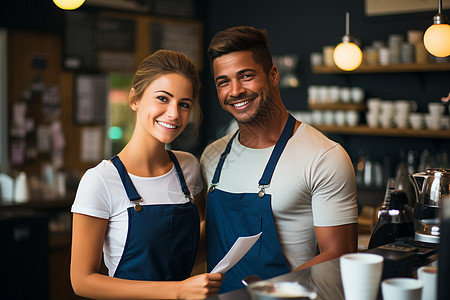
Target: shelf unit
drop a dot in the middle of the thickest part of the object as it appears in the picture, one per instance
(338, 106)
(392, 132)
(397, 68)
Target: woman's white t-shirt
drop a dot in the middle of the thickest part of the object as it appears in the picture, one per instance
(101, 194)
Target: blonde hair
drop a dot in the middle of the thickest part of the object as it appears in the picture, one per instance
(164, 62)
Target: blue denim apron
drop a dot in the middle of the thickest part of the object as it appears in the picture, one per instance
(231, 215)
(162, 240)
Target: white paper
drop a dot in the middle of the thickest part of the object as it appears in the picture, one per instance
(240, 247)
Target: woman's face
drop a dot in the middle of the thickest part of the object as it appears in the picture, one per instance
(164, 109)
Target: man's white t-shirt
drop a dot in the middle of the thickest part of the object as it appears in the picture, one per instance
(313, 185)
(101, 194)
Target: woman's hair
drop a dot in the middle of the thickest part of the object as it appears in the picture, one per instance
(164, 62)
(242, 38)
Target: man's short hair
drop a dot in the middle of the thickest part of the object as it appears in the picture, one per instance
(242, 38)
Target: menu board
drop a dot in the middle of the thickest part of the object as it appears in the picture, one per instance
(90, 99)
(181, 37)
(80, 43)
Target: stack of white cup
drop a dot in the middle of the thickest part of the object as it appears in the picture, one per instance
(434, 118)
(403, 108)
(373, 112)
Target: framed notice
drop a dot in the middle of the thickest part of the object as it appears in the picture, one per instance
(90, 99)
(390, 7)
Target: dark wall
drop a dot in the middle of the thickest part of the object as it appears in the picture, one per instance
(302, 27)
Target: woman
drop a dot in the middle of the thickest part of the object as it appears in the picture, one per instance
(138, 205)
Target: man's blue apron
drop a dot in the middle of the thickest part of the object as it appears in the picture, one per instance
(162, 240)
(231, 215)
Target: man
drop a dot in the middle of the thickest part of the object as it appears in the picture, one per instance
(276, 175)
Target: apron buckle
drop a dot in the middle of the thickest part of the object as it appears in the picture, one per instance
(262, 190)
(189, 197)
(212, 187)
(137, 204)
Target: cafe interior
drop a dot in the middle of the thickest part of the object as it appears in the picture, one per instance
(371, 75)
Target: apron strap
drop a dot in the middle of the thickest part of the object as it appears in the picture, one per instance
(273, 160)
(277, 151)
(225, 153)
(183, 184)
(133, 195)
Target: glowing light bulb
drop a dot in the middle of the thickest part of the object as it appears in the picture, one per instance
(347, 56)
(437, 40)
(68, 4)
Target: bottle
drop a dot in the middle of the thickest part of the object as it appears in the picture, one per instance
(21, 193)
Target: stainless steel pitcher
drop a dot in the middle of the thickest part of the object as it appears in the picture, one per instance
(430, 187)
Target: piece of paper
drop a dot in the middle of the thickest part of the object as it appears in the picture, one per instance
(240, 247)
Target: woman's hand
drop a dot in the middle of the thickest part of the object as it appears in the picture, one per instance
(201, 286)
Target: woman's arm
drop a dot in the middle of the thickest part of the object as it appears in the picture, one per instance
(200, 200)
(87, 241)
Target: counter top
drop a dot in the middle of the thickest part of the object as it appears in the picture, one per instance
(325, 278)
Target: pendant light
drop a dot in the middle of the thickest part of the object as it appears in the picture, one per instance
(347, 55)
(68, 4)
(437, 37)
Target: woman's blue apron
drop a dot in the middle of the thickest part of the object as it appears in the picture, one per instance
(231, 215)
(162, 240)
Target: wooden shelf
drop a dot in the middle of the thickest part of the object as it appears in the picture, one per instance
(338, 106)
(365, 130)
(436, 67)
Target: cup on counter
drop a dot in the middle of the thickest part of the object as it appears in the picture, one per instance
(401, 289)
(428, 275)
(401, 120)
(405, 106)
(316, 117)
(333, 94)
(313, 94)
(339, 118)
(361, 275)
(387, 108)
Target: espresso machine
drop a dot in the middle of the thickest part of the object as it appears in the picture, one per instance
(431, 187)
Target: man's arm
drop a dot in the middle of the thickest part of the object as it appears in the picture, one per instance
(333, 242)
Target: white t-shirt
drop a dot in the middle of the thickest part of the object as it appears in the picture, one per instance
(101, 194)
(313, 185)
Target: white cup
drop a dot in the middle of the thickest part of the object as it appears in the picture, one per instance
(436, 109)
(357, 94)
(323, 94)
(313, 94)
(352, 118)
(328, 117)
(361, 275)
(401, 289)
(372, 119)
(428, 275)
(401, 120)
(405, 106)
(416, 120)
(316, 59)
(387, 108)
(316, 117)
(339, 117)
(433, 122)
(374, 104)
(345, 94)
(333, 94)
(385, 120)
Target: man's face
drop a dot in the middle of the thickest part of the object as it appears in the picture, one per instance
(243, 87)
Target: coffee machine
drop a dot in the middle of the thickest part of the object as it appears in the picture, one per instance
(431, 187)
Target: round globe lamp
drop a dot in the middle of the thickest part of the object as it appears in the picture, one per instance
(68, 4)
(437, 37)
(347, 56)
(437, 40)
